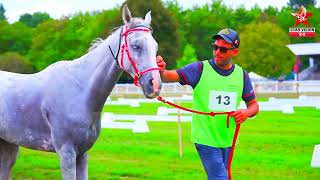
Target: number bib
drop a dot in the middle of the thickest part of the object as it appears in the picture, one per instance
(222, 101)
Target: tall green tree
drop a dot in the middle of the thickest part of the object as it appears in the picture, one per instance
(4, 36)
(177, 31)
(47, 45)
(241, 16)
(67, 38)
(200, 24)
(26, 19)
(35, 19)
(178, 14)
(2, 13)
(262, 53)
(189, 56)
(297, 3)
(15, 37)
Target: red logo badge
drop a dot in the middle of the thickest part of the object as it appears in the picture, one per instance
(302, 18)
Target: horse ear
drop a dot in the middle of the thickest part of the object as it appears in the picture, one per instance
(147, 18)
(126, 14)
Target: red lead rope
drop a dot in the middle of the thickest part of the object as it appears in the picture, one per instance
(212, 114)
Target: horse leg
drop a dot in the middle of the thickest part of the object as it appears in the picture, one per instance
(8, 155)
(67, 156)
(82, 166)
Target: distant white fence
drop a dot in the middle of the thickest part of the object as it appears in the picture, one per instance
(260, 87)
(167, 88)
(287, 87)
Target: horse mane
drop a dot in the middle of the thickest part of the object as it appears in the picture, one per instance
(134, 23)
(95, 43)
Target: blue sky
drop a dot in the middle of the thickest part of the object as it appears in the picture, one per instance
(58, 8)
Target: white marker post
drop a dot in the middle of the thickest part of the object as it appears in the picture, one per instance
(315, 162)
(180, 133)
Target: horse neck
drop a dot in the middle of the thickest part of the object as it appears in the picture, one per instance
(105, 71)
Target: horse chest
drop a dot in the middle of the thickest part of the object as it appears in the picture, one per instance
(86, 137)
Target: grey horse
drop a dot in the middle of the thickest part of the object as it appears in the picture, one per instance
(59, 109)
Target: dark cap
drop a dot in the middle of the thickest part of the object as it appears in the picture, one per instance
(229, 35)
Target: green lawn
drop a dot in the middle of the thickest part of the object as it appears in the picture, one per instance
(271, 146)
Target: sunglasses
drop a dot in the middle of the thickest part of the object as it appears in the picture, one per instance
(222, 49)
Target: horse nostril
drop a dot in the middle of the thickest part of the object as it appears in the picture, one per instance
(150, 83)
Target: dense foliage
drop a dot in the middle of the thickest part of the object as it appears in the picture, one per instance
(183, 35)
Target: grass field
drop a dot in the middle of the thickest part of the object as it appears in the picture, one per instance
(271, 146)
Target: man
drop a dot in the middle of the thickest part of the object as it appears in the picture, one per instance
(219, 85)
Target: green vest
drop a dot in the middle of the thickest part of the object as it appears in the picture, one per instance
(216, 93)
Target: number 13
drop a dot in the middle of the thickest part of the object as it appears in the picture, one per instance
(226, 100)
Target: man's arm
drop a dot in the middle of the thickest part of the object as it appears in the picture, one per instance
(249, 97)
(252, 108)
(167, 75)
(243, 114)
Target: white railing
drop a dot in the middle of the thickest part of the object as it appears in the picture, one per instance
(260, 87)
(167, 88)
(287, 87)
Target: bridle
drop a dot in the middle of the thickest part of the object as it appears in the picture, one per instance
(124, 49)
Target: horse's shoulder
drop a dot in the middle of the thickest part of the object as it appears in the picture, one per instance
(57, 65)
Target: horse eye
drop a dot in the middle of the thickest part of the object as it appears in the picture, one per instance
(136, 47)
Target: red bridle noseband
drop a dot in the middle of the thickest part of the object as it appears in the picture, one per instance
(125, 49)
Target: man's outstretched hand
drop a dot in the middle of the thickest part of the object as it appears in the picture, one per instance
(161, 64)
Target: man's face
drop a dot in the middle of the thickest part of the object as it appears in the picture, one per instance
(224, 52)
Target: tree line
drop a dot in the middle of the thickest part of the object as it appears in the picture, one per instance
(184, 36)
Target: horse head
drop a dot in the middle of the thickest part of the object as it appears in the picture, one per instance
(138, 53)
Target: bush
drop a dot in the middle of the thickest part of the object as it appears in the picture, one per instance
(14, 62)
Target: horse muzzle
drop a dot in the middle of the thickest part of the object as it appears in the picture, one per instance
(151, 84)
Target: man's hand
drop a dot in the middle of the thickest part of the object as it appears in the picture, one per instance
(161, 64)
(167, 75)
(240, 115)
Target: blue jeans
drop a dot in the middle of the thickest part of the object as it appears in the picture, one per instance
(215, 161)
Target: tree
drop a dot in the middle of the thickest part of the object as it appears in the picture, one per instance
(47, 45)
(67, 38)
(263, 50)
(35, 19)
(199, 30)
(14, 62)
(240, 17)
(15, 37)
(297, 3)
(178, 14)
(26, 19)
(189, 56)
(4, 36)
(2, 13)
(201, 23)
